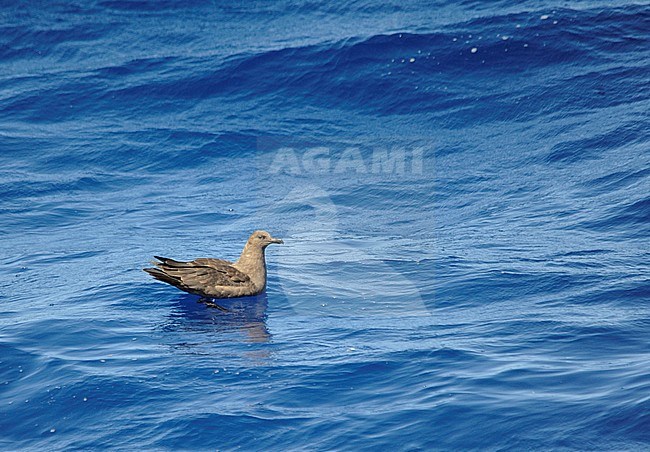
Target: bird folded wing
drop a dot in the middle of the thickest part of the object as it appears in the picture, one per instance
(202, 273)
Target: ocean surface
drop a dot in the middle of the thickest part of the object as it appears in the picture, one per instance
(463, 188)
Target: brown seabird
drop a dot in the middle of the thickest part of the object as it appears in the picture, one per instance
(218, 278)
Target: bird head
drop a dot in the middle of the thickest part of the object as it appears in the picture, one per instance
(262, 239)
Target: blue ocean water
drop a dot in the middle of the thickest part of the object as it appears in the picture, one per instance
(463, 188)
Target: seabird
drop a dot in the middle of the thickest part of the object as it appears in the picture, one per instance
(218, 278)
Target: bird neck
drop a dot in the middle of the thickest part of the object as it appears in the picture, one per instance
(251, 261)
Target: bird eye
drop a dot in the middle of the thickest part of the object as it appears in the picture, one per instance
(260, 236)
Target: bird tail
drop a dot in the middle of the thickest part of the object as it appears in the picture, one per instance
(165, 261)
(160, 275)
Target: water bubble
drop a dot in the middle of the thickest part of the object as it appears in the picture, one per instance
(52, 430)
(411, 60)
(474, 49)
(544, 17)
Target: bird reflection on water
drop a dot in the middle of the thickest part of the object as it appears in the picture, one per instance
(226, 320)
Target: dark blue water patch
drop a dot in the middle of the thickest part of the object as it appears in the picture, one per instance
(594, 146)
(610, 88)
(637, 212)
(585, 252)
(413, 72)
(375, 195)
(631, 219)
(94, 399)
(36, 259)
(20, 41)
(611, 341)
(243, 314)
(102, 163)
(69, 184)
(15, 364)
(140, 6)
(48, 216)
(357, 8)
(630, 420)
(226, 428)
(305, 68)
(137, 68)
(56, 102)
(495, 286)
(617, 180)
(625, 293)
(582, 259)
(21, 153)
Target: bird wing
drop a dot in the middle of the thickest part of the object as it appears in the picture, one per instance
(211, 262)
(199, 275)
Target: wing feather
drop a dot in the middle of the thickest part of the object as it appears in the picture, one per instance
(199, 276)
